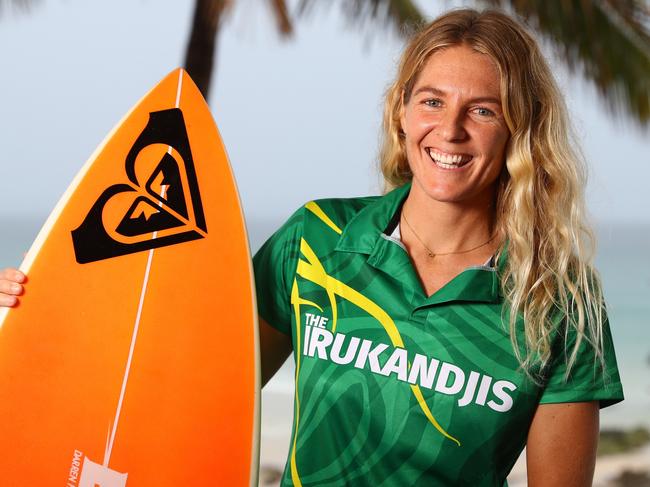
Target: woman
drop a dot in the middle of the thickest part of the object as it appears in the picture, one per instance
(440, 328)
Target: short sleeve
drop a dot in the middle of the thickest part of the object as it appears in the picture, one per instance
(274, 266)
(588, 380)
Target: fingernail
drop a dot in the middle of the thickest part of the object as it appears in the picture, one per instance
(15, 288)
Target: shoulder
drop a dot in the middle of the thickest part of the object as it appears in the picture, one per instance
(320, 220)
(335, 213)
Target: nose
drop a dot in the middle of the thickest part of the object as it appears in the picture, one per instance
(451, 125)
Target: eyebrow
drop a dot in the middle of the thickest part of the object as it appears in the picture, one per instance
(437, 92)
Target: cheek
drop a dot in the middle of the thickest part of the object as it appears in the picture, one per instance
(498, 156)
(495, 143)
(417, 126)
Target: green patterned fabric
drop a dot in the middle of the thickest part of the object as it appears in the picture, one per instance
(393, 387)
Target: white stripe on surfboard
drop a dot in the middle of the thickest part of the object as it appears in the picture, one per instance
(136, 326)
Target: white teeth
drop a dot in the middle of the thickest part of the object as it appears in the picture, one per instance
(446, 166)
(448, 161)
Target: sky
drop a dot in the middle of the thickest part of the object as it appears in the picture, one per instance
(300, 118)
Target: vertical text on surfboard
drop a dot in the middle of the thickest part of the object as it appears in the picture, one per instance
(91, 474)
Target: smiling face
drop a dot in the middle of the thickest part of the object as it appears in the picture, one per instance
(455, 133)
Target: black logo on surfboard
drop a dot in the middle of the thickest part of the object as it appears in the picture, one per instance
(161, 206)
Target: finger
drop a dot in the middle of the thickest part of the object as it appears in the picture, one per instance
(18, 276)
(10, 288)
(8, 301)
(11, 274)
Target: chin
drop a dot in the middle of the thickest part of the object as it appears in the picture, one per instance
(454, 195)
(443, 194)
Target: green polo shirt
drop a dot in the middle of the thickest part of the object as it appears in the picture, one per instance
(394, 387)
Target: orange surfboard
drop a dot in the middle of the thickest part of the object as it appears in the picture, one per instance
(132, 359)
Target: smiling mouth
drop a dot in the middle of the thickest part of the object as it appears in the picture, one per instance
(448, 161)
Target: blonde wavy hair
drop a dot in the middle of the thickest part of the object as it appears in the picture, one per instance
(548, 278)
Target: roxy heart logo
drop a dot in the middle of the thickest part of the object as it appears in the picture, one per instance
(159, 203)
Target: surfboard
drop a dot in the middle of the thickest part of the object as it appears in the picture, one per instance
(132, 359)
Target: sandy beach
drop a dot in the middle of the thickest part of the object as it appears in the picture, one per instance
(608, 467)
(277, 412)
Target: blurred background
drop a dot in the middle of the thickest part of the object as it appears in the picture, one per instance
(296, 88)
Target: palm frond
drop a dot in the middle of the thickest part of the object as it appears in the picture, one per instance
(606, 40)
(402, 15)
(23, 5)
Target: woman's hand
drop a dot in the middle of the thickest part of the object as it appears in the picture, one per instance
(562, 442)
(11, 286)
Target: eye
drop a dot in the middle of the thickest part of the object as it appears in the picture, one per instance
(433, 102)
(484, 112)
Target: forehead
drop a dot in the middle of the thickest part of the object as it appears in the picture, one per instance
(461, 70)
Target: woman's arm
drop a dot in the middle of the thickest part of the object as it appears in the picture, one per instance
(275, 347)
(562, 442)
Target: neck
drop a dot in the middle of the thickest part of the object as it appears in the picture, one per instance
(450, 226)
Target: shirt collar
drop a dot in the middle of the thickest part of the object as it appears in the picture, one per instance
(364, 230)
(363, 234)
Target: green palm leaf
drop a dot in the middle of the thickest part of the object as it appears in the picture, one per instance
(17, 4)
(402, 15)
(605, 40)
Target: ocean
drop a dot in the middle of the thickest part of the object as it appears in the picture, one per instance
(622, 260)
